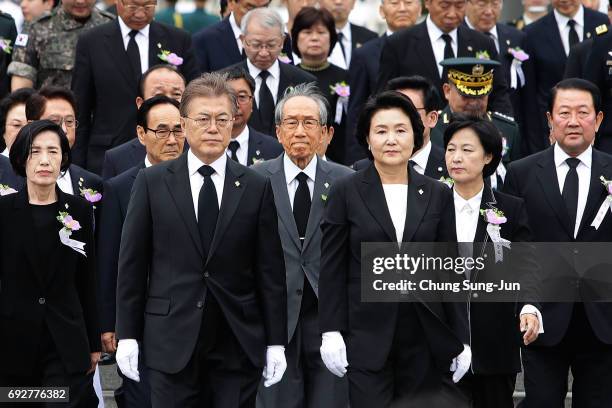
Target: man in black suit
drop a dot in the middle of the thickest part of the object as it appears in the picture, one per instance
(8, 179)
(193, 285)
(429, 159)
(161, 79)
(548, 44)
(262, 39)
(110, 60)
(248, 146)
(159, 130)
(59, 105)
(507, 40)
(562, 190)
(420, 49)
(363, 70)
(350, 36)
(218, 46)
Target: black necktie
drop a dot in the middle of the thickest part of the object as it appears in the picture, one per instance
(233, 147)
(134, 55)
(208, 208)
(448, 52)
(340, 38)
(301, 205)
(570, 191)
(573, 35)
(266, 102)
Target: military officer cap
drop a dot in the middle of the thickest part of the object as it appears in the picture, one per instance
(472, 76)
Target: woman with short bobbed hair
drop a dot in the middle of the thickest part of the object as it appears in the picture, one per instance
(48, 316)
(13, 116)
(395, 352)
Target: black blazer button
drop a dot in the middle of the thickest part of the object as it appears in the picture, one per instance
(206, 274)
(200, 304)
(42, 301)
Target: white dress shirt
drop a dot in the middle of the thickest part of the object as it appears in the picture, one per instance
(291, 172)
(236, 30)
(147, 162)
(564, 29)
(494, 36)
(584, 177)
(336, 57)
(243, 150)
(438, 44)
(396, 196)
(65, 183)
(142, 40)
(5, 153)
(196, 180)
(466, 216)
(421, 158)
(272, 81)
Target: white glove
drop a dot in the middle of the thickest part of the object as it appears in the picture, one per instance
(276, 364)
(127, 358)
(333, 353)
(461, 363)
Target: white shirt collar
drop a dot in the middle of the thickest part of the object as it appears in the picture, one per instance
(125, 30)
(346, 31)
(243, 138)
(435, 33)
(5, 153)
(562, 20)
(422, 156)
(237, 31)
(585, 157)
(461, 204)
(147, 162)
(291, 170)
(274, 70)
(193, 164)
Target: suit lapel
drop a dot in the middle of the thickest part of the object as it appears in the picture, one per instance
(426, 53)
(60, 253)
(177, 182)
(233, 188)
(487, 202)
(155, 37)
(281, 198)
(228, 41)
(418, 201)
(550, 186)
(373, 196)
(23, 221)
(283, 81)
(114, 43)
(555, 42)
(254, 151)
(597, 192)
(321, 187)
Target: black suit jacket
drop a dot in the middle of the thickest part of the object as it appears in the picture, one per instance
(409, 52)
(8, 176)
(362, 77)
(357, 212)
(262, 147)
(106, 87)
(577, 59)
(164, 278)
(289, 76)
(510, 37)
(122, 158)
(116, 199)
(215, 47)
(534, 179)
(82, 178)
(546, 67)
(59, 293)
(360, 36)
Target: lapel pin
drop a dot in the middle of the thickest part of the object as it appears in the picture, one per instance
(610, 53)
(508, 42)
(421, 191)
(439, 168)
(326, 185)
(257, 152)
(66, 205)
(470, 48)
(589, 34)
(237, 183)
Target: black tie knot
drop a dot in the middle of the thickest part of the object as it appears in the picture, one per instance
(340, 36)
(302, 177)
(234, 146)
(447, 38)
(133, 33)
(571, 23)
(572, 162)
(264, 75)
(206, 171)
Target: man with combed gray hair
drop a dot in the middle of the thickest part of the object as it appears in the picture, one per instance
(262, 38)
(300, 183)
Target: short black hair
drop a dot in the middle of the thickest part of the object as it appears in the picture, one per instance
(578, 84)
(154, 68)
(431, 96)
(147, 105)
(11, 100)
(236, 72)
(388, 100)
(305, 19)
(489, 136)
(37, 103)
(22, 147)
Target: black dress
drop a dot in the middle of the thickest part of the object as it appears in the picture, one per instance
(328, 76)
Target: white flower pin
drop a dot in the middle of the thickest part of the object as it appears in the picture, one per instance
(237, 183)
(326, 185)
(421, 191)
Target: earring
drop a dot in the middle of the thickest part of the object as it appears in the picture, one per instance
(369, 148)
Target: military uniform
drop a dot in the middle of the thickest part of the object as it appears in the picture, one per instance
(170, 16)
(199, 19)
(8, 33)
(45, 54)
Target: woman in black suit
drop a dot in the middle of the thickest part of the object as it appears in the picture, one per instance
(396, 353)
(48, 316)
(473, 151)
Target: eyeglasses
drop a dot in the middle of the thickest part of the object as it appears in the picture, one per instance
(482, 4)
(243, 98)
(69, 121)
(308, 124)
(257, 46)
(165, 133)
(206, 121)
(132, 8)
